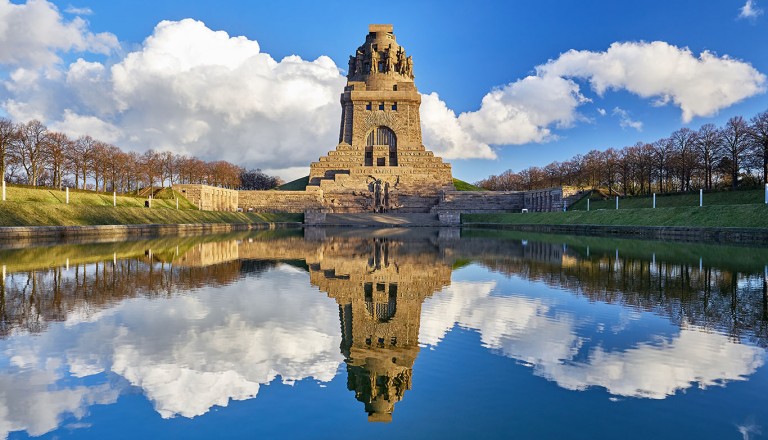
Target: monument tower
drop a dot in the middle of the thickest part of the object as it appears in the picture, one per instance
(380, 163)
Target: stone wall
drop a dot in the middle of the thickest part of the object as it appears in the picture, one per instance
(281, 201)
(404, 193)
(209, 198)
(548, 200)
(478, 202)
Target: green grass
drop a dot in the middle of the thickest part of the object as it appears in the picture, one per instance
(59, 214)
(745, 216)
(295, 185)
(740, 197)
(461, 185)
(30, 206)
(40, 195)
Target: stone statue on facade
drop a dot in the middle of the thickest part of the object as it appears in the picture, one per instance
(351, 71)
(379, 194)
(401, 61)
(358, 61)
(390, 60)
(409, 67)
(374, 61)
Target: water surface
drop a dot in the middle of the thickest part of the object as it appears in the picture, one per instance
(407, 333)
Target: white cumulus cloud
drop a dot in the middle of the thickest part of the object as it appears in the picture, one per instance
(527, 110)
(31, 34)
(700, 86)
(444, 133)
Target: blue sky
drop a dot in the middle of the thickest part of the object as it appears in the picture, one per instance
(462, 52)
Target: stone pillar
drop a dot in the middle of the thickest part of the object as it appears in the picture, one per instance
(449, 217)
(314, 217)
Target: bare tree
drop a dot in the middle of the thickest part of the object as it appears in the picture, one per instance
(29, 149)
(99, 157)
(151, 169)
(9, 133)
(683, 143)
(709, 146)
(83, 157)
(168, 166)
(55, 154)
(735, 144)
(758, 133)
(663, 155)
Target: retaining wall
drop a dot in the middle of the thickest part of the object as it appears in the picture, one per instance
(13, 233)
(280, 201)
(209, 198)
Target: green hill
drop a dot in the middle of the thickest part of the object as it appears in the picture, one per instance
(295, 185)
(461, 185)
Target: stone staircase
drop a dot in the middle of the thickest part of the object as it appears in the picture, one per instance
(381, 220)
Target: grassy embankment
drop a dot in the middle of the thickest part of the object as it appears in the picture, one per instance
(299, 184)
(721, 209)
(27, 206)
(740, 197)
(461, 185)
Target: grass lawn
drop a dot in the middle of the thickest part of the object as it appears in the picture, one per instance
(25, 194)
(461, 185)
(50, 214)
(739, 197)
(745, 216)
(28, 206)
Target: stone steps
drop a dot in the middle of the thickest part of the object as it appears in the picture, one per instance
(381, 220)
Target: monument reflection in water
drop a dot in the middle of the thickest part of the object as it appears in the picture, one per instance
(380, 286)
(195, 323)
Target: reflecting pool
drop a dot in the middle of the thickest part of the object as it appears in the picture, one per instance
(403, 333)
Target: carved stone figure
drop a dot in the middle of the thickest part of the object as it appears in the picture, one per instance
(359, 61)
(390, 60)
(409, 67)
(401, 61)
(351, 72)
(374, 61)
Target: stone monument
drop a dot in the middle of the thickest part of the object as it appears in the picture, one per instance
(380, 164)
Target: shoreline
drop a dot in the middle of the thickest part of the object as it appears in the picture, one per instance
(736, 235)
(29, 233)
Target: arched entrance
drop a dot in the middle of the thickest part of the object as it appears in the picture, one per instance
(381, 147)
